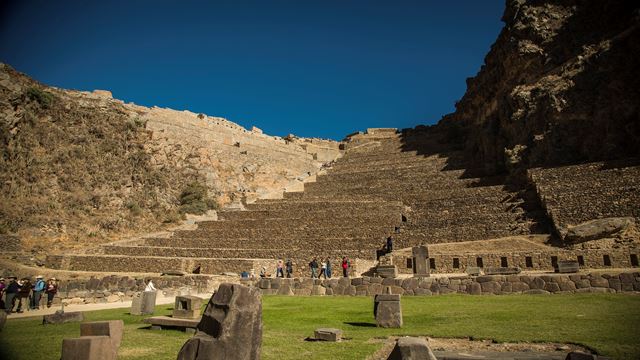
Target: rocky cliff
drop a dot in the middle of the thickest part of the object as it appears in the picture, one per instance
(559, 86)
(81, 167)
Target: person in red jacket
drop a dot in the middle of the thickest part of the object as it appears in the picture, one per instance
(51, 290)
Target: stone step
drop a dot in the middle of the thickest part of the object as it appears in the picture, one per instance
(337, 202)
(319, 243)
(411, 191)
(247, 253)
(312, 213)
(366, 230)
(152, 264)
(299, 223)
(422, 182)
(403, 173)
(447, 235)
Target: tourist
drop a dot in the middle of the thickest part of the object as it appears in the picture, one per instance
(197, 269)
(328, 270)
(52, 289)
(279, 268)
(313, 265)
(389, 244)
(24, 294)
(289, 266)
(346, 264)
(38, 289)
(263, 272)
(150, 286)
(11, 293)
(2, 288)
(323, 270)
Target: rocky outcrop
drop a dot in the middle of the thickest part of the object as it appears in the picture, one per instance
(558, 87)
(80, 168)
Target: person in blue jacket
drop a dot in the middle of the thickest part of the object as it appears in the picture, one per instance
(38, 289)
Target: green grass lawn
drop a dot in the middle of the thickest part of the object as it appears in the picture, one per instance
(608, 323)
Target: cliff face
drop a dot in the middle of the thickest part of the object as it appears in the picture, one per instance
(79, 168)
(560, 85)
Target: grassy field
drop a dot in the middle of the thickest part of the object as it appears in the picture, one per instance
(607, 323)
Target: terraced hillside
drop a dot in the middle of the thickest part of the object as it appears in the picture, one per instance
(376, 190)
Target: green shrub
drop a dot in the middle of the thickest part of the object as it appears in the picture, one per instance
(194, 200)
(45, 99)
(135, 208)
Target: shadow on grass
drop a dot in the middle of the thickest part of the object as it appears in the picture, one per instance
(361, 324)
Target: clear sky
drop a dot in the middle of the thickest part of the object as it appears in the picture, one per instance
(311, 68)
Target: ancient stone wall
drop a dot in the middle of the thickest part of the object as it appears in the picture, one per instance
(525, 260)
(480, 285)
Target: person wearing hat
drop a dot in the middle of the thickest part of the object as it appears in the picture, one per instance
(52, 289)
(11, 291)
(38, 289)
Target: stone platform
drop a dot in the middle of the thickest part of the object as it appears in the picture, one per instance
(168, 322)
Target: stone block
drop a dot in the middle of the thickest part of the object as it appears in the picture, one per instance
(88, 348)
(318, 290)
(328, 334)
(374, 289)
(501, 270)
(598, 281)
(568, 266)
(578, 355)
(144, 303)
(387, 311)
(187, 307)
(387, 271)
(231, 326)
(409, 348)
(61, 317)
(420, 258)
(473, 270)
(114, 329)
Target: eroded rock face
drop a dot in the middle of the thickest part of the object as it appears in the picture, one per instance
(557, 87)
(231, 326)
(598, 229)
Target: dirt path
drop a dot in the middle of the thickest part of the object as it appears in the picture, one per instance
(160, 300)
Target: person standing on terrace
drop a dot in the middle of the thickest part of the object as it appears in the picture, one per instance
(313, 265)
(279, 270)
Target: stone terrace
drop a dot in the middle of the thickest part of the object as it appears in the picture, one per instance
(578, 193)
(378, 189)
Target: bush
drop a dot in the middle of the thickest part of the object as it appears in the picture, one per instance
(194, 200)
(45, 99)
(135, 209)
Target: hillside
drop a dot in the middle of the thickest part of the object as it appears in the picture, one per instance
(80, 168)
(558, 87)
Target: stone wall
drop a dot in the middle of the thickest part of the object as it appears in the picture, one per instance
(480, 285)
(526, 260)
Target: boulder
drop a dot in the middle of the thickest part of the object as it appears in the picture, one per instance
(61, 317)
(409, 348)
(598, 229)
(231, 326)
(387, 271)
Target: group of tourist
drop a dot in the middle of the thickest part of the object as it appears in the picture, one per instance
(325, 268)
(26, 291)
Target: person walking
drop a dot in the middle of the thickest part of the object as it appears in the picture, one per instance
(289, 266)
(346, 264)
(328, 271)
(389, 244)
(313, 265)
(38, 289)
(52, 290)
(279, 268)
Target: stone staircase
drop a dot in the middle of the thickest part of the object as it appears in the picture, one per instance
(378, 189)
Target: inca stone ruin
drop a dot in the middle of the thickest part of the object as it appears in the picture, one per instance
(532, 186)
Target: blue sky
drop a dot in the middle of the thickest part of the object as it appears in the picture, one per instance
(311, 68)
